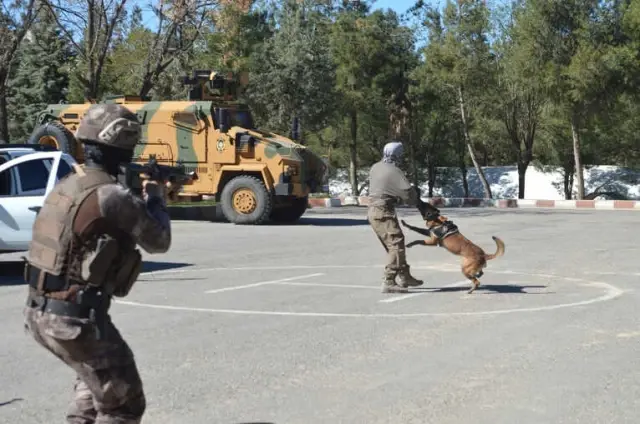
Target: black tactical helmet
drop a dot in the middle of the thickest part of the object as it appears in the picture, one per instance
(110, 125)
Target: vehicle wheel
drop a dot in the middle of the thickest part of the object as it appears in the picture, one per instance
(245, 200)
(56, 135)
(292, 212)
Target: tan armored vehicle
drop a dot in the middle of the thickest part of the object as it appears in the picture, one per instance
(254, 175)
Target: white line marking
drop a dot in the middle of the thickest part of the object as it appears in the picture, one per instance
(440, 267)
(421, 292)
(263, 283)
(629, 274)
(257, 268)
(612, 293)
(347, 286)
(398, 298)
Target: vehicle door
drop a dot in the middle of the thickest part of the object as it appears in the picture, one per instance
(24, 183)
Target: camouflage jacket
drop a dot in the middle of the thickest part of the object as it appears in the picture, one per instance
(147, 222)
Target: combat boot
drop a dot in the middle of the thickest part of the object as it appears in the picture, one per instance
(389, 286)
(406, 279)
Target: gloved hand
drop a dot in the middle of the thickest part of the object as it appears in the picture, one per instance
(172, 190)
(153, 188)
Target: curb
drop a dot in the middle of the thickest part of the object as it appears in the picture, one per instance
(214, 213)
(510, 203)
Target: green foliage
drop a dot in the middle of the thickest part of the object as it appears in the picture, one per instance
(40, 76)
(292, 73)
(536, 78)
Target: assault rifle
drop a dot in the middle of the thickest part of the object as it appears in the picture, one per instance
(133, 175)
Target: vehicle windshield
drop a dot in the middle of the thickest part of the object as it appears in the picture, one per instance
(241, 118)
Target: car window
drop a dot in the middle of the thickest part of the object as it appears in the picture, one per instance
(34, 175)
(5, 182)
(63, 169)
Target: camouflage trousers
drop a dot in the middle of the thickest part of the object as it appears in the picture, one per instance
(108, 389)
(384, 222)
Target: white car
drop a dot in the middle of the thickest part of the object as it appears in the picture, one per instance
(27, 175)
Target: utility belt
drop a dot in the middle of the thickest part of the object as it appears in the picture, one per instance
(383, 202)
(88, 302)
(45, 282)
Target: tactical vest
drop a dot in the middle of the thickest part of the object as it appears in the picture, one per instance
(53, 228)
(445, 230)
(60, 251)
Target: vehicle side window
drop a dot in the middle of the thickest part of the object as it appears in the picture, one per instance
(5, 182)
(34, 175)
(63, 169)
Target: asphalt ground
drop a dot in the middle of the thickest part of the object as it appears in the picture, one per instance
(287, 325)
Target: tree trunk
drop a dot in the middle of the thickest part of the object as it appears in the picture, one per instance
(147, 85)
(413, 161)
(353, 154)
(4, 118)
(568, 179)
(465, 183)
(522, 170)
(462, 165)
(431, 169)
(577, 156)
(89, 90)
(467, 138)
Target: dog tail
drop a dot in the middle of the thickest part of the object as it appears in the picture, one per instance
(499, 251)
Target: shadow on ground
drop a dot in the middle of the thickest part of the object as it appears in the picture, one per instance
(11, 271)
(493, 288)
(149, 266)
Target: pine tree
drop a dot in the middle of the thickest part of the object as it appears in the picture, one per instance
(40, 77)
(292, 74)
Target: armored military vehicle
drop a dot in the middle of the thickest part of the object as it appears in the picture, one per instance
(255, 175)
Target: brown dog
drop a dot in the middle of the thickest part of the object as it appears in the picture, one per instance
(442, 232)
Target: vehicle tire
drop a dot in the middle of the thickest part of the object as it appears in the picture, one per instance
(292, 212)
(245, 201)
(56, 135)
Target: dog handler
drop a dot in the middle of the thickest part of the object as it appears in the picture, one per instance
(388, 187)
(84, 252)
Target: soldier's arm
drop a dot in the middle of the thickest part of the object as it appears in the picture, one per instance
(409, 194)
(413, 199)
(147, 221)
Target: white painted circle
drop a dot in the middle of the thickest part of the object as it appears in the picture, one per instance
(611, 292)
